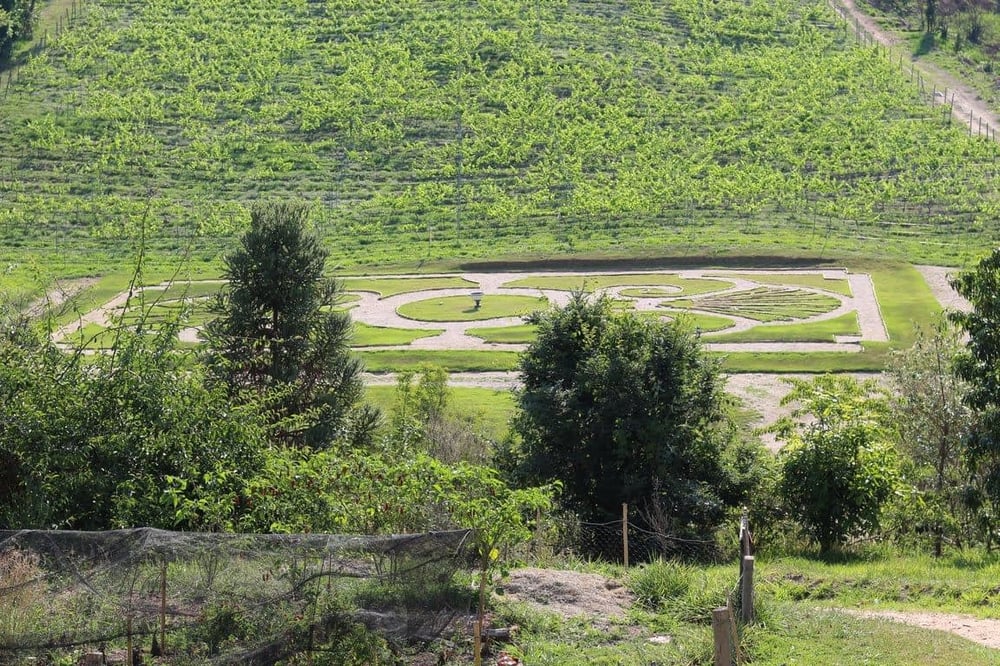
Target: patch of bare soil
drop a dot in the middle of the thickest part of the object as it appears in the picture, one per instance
(977, 630)
(567, 593)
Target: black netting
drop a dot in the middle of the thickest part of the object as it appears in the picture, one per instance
(229, 598)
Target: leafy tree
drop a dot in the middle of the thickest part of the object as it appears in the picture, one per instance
(87, 446)
(839, 467)
(979, 365)
(620, 408)
(276, 335)
(928, 398)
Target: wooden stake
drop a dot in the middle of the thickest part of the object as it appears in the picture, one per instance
(163, 607)
(625, 533)
(746, 591)
(722, 634)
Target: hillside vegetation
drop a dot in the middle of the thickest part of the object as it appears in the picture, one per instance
(439, 129)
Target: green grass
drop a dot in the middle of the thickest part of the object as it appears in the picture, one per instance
(453, 361)
(813, 331)
(814, 280)
(376, 336)
(617, 130)
(763, 303)
(488, 409)
(386, 287)
(520, 334)
(904, 299)
(810, 636)
(811, 362)
(590, 283)
(462, 308)
(704, 322)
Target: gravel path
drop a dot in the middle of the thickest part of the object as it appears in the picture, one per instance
(937, 279)
(376, 311)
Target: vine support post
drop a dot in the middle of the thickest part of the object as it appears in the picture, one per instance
(625, 533)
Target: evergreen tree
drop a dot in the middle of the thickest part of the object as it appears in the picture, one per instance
(276, 334)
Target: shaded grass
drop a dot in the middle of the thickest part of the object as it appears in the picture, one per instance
(813, 331)
(386, 287)
(461, 308)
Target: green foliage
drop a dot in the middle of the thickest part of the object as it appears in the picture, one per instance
(839, 467)
(784, 134)
(275, 335)
(88, 446)
(17, 19)
(623, 409)
(979, 366)
(933, 423)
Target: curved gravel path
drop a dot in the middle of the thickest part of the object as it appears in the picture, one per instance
(376, 311)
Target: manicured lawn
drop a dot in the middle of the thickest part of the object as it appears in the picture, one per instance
(453, 361)
(375, 336)
(520, 334)
(813, 331)
(462, 308)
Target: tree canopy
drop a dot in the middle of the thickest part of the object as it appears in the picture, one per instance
(621, 408)
(979, 365)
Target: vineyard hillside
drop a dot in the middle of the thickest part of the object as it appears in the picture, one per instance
(447, 129)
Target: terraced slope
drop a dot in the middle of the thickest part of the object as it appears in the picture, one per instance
(446, 128)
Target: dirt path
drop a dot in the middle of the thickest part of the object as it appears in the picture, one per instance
(966, 99)
(977, 630)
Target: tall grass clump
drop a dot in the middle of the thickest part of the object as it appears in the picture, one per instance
(21, 593)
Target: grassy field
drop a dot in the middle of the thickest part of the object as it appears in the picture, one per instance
(428, 132)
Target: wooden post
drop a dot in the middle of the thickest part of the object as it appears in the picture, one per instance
(746, 591)
(163, 607)
(722, 633)
(625, 533)
(128, 638)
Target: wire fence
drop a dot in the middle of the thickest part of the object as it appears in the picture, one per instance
(926, 89)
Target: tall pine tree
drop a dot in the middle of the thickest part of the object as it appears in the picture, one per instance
(276, 337)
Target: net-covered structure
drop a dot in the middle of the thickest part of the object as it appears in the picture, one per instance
(133, 595)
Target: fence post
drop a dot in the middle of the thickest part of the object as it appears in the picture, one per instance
(625, 533)
(722, 634)
(746, 591)
(163, 607)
